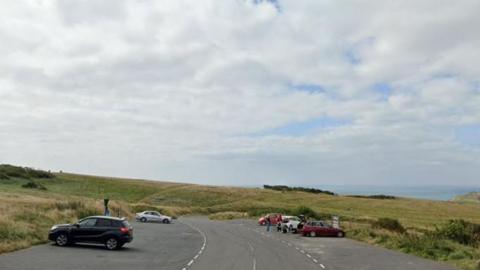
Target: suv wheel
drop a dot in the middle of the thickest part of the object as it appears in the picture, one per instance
(340, 234)
(313, 234)
(61, 240)
(166, 221)
(143, 219)
(112, 243)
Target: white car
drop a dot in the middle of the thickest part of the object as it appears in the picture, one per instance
(290, 224)
(154, 216)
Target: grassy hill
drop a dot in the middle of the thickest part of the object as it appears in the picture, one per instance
(472, 197)
(30, 204)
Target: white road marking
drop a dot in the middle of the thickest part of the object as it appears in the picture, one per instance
(321, 265)
(302, 251)
(252, 250)
(315, 261)
(308, 255)
(201, 249)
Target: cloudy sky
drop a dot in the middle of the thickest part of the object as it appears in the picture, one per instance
(244, 92)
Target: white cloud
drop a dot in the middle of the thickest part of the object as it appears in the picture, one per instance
(176, 89)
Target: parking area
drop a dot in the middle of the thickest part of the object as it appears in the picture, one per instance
(155, 246)
(343, 253)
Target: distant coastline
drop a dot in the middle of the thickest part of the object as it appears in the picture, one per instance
(438, 193)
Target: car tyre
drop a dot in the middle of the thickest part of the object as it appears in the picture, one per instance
(143, 219)
(61, 239)
(340, 234)
(112, 243)
(313, 234)
(166, 221)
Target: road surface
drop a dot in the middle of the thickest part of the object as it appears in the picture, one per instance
(201, 244)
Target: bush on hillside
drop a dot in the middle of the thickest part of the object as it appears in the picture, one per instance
(34, 185)
(302, 189)
(378, 197)
(9, 171)
(460, 231)
(388, 224)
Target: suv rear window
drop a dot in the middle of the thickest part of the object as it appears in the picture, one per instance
(125, 223)
(104, 223)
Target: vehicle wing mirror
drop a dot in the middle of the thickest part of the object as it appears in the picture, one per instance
(76, 225)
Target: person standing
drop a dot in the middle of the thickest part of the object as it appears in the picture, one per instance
(279, 223)
(269, 222)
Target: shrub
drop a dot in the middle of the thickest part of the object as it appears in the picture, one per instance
(20, 172)
(460, 231)
(34, 185)
(425, 246)
(378, 197)
(302, 189)
(389, 224)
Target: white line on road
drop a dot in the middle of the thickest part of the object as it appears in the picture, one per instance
(252, 250)
(321, 265)
(315, 261)
(201, 249)
(308, 255)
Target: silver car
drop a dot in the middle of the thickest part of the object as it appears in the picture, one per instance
(152, 216)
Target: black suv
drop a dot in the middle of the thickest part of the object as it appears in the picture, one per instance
(110, 231)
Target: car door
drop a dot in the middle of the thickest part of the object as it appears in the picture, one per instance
(321, 230)
(85, 230)
(151, 216)
(102, 226)
(156, 216)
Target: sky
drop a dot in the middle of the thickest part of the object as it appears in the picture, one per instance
(244, 92)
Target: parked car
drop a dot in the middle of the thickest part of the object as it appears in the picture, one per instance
(290, 224)
(320, 228)
(274, 218)
(110, 231)
(154, 216)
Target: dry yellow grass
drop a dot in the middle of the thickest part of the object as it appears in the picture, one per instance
(26, 219)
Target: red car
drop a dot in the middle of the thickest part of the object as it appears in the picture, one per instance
(319, 228)
(274, 219)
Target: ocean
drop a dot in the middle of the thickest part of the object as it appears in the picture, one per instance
(441, 193)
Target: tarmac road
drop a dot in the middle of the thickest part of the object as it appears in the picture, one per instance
(199, 244)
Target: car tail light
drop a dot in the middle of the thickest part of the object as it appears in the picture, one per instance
(124, 229)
